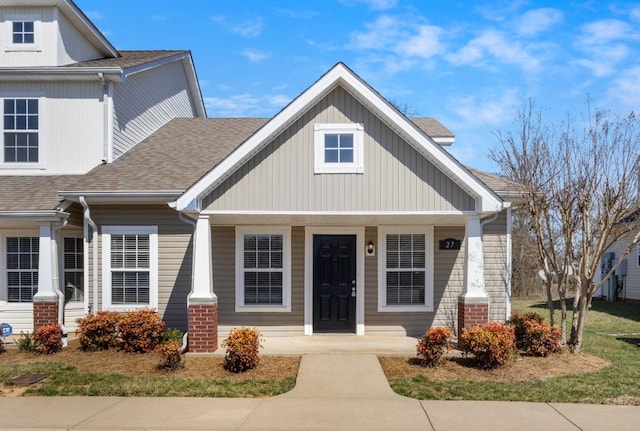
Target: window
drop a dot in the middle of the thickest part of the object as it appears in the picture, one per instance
(263, 269)
(22, 268)
(73, 270)
(20, 119)
(130, 259)
(23, 32)
(338, 148)
(406, 269)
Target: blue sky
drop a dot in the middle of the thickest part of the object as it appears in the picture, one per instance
(470, 64)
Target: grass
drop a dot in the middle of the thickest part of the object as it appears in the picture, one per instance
(618, 383)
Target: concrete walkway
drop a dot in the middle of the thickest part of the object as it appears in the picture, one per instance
(333, 391)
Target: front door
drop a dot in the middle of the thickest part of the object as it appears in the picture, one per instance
(334, 283)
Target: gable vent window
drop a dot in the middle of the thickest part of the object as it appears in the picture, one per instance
(338, 148)
(23, 32)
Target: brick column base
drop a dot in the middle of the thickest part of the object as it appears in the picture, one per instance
(203, 328)
(45, 313)
(472, 312)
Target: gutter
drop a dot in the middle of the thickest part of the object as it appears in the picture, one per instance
(94, 227)
(56, 280)
(123, 197)
(97, 74)
(186, 219)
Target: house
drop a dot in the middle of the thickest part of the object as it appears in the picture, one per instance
(624, 283)
(70, 102)
(337, 215)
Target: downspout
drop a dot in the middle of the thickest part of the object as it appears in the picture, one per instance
(94, 228)
(188, 220)
(56, 280)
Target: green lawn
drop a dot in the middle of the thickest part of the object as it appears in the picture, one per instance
(619, 383)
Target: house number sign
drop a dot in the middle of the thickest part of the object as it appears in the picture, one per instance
(450, 244)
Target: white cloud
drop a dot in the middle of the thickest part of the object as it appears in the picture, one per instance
(255, 56)
(489, 110)
(605, 59)
(537, 21)
(372, 4)
(380, 34)
(626, 89)
(604, 44)
(425, 44)
(246, 105)
(635, 14)
(279, 100)
(93, 15)
(605, 31)
(498, 45)
(249, 28)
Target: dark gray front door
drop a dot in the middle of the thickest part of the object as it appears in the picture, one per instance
(334, 283)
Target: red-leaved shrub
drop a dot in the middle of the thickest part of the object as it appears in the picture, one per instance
(433, 344)
(170, 355)
(492, 344)
(242, 350)
(541, 339)
(140, 331)
(48, 338)
(518, 322)
(98, 331)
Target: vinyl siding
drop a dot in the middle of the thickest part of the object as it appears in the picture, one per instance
(281, 176)
(632, 279)
(72, 46)
(146, 101)
(495, 266)
(71, 118)
(174, 254)
(270, 324)
(45, 38)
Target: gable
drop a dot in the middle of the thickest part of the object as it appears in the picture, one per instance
(395, 178)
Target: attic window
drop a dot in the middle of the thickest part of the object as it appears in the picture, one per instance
(23, 32)
(338, 148)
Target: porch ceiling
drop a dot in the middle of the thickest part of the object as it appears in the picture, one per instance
(337, 219)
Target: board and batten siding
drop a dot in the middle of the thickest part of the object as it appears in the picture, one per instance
(146, 101)
(224, 267)
(281, 176)
(72, 46)
(71, 118)
(174, 254)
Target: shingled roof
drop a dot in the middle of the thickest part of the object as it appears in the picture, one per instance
(32, 193)
(128, 59)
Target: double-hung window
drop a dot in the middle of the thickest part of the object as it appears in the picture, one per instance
(338, 148)
(22, 268)
(20, 134)
(263, 269)
(130, 267)
(406, 269)
(73, 261)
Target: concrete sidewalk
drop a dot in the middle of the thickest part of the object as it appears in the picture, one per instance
(333, 391)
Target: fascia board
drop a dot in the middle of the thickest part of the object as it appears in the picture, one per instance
(44, 215)
(87, 27)
(128, 197)
(62, 73)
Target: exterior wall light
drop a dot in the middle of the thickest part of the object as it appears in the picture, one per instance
(371, 248)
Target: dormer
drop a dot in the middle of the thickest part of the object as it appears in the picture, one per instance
(48, 33)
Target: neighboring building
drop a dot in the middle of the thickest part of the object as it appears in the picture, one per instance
(339, 214)
(625, 283)
(69, 102)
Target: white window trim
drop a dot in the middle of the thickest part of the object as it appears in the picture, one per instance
(4, 294)
(383, 231)
(62, 270)
(107, 231)
(41, 132)
(285, 231)
(37, 33)
(322, 129)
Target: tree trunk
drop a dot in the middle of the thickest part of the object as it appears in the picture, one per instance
(563, 316)
(548, 286)
(579, 319)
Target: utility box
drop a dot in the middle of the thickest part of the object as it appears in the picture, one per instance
(622, 268)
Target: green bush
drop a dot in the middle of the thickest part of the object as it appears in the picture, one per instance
(140, 331)
(98, 331)
(242, 352)
(26, 344)
(492, 345)
(172, 335)
(170, 355)
(48, 339)
(433, 344)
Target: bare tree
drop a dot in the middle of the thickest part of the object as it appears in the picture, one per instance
(581, 193)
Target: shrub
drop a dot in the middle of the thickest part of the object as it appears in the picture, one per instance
(98, 331)
(48, 338)
(242, 350)
(26, 344)
(518, 322)
(170, 355)
(140, 331)
(541, 339)
(172, 335)
(492, 344)
(433, 344)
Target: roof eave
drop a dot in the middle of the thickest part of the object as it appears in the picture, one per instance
(98, 74)
(123, 197)
(33, 215)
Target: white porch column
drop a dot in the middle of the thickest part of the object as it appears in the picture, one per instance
(473, 304)
(202, 287)
(202, 303)
(45, 266)
(474, 260)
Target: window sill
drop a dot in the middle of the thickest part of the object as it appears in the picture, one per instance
(14, 166)
(338, 170)
(23, 48)
(263, 309)
(129, 307)
(404, 309)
